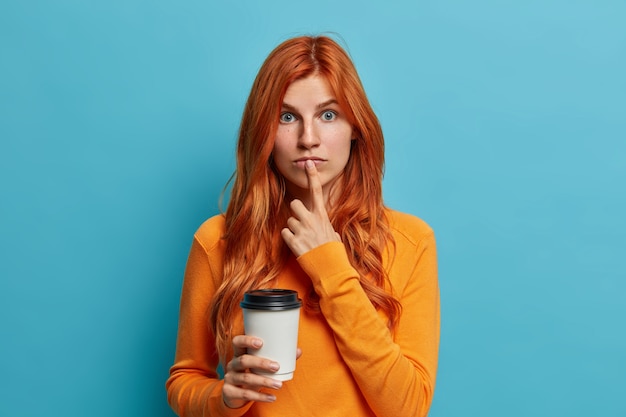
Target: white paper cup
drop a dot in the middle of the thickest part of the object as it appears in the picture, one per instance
(273, 315)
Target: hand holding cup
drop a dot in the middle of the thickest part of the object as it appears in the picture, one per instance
(267, 354)
(240, 384)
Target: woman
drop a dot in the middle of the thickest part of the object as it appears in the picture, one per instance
(306, 213)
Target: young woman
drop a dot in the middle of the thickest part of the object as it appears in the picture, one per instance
(306, 213)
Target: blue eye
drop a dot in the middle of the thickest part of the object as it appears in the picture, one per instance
(329, 115)
(287, 117)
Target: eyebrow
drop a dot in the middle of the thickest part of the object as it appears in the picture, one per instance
(319, 106)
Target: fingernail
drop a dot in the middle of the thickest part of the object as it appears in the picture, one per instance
(271, 398)
(277, 384)
(309, 163)
(257, 343)
(274, 366)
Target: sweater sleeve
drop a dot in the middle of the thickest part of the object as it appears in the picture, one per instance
(394, 371)
(194, 388)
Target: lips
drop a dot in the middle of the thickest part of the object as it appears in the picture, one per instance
(300, 163)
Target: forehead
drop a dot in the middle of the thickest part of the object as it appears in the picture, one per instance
(313, 89)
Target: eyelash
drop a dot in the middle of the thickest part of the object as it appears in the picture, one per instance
(282, 115)
(325, 112)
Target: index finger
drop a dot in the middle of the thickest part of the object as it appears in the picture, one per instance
(242, 342)
(315, 187)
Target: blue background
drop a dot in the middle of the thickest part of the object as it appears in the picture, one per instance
(506, 131)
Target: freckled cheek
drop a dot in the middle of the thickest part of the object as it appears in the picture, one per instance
(339, 132)
(284, 137)
(282, 159)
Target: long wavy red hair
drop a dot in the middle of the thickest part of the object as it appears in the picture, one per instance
(255, 252)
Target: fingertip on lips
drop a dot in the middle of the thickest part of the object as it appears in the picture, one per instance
(306, 164)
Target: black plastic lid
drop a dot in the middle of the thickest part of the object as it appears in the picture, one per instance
(273, 299)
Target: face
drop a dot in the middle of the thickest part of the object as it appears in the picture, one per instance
(312, 126)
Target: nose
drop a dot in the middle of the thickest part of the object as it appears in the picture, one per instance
(309, 136)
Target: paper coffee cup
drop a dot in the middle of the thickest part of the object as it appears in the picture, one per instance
(273, 315)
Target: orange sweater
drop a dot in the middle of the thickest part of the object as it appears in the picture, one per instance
(351, 365)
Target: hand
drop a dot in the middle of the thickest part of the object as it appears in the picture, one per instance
(241, 385)
(308, 229)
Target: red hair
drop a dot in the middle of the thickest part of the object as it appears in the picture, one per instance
(255, 252)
